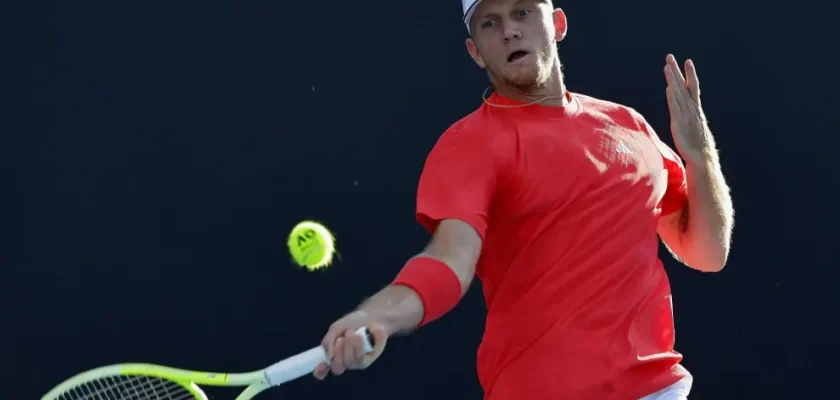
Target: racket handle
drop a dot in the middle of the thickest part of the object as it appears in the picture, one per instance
(304, 363)
(369, 340)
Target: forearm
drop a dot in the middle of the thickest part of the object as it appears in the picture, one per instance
(401, 308)
(397, 306)
(707, 227)
(431, 283)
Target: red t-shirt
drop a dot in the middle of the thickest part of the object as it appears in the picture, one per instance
(567, 201)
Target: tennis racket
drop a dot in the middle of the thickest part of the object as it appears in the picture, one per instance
(158, 382)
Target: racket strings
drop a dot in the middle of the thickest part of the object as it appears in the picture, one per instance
(128, 388)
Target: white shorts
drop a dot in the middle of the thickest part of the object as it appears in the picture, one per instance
(678, 391)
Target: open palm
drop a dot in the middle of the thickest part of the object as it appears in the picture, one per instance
(688, 123)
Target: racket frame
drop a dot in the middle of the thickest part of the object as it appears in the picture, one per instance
(189, 380)
(256, 381)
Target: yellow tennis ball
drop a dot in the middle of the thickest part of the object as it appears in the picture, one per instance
(312, 245)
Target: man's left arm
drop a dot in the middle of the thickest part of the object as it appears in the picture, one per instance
(699, 234)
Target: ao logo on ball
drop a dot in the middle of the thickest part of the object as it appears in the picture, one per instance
(307, 244)
(312, 245)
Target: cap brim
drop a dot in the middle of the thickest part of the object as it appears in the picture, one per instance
(468, 15)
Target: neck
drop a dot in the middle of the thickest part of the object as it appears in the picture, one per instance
(553, 88)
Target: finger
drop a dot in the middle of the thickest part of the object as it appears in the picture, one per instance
(356, 349)
(321, 371)
(675, 68)
(678, 90)
(329, 340)
(671, 78)
(337, 366)
(349, 350)
(681, 91)
(669, 90)
(673, 104)
(691, 79)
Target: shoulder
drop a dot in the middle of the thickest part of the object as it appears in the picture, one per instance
(477, 132)
(618, 113)
(479, 125)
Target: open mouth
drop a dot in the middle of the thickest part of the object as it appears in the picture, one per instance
(517, 55)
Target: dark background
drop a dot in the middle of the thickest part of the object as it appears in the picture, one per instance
(167, 148)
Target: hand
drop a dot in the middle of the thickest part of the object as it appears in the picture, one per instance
(688, 123)
(346, 349)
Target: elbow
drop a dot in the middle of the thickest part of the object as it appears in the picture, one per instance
(704, 253)
(711, 267)
(464, 269)
(712, 261)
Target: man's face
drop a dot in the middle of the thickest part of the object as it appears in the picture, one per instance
(514, 40)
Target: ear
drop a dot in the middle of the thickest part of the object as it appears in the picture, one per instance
(473, 50)
(560, 26)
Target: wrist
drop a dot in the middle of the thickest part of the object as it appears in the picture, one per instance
(397, 308)
(434, 284)
(701, 161)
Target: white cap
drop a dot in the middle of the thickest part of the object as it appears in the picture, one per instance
(469, 9)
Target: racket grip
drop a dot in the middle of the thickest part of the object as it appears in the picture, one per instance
(304, 363)
(369, 340)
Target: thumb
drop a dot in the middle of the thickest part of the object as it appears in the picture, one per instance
(380, 338)
(380, 334)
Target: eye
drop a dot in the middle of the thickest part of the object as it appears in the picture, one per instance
(487, 24)
(523, 13)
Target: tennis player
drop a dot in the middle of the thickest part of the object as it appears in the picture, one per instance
(555, 200)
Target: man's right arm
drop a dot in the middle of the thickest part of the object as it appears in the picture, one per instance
(454, 243)
(400, 309)
(454, 197)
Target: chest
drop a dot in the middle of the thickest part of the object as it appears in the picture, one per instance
(586, 164)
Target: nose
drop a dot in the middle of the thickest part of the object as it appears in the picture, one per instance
(512, 31)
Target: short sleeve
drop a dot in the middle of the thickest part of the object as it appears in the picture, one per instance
(676, 195)
(459, 179)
